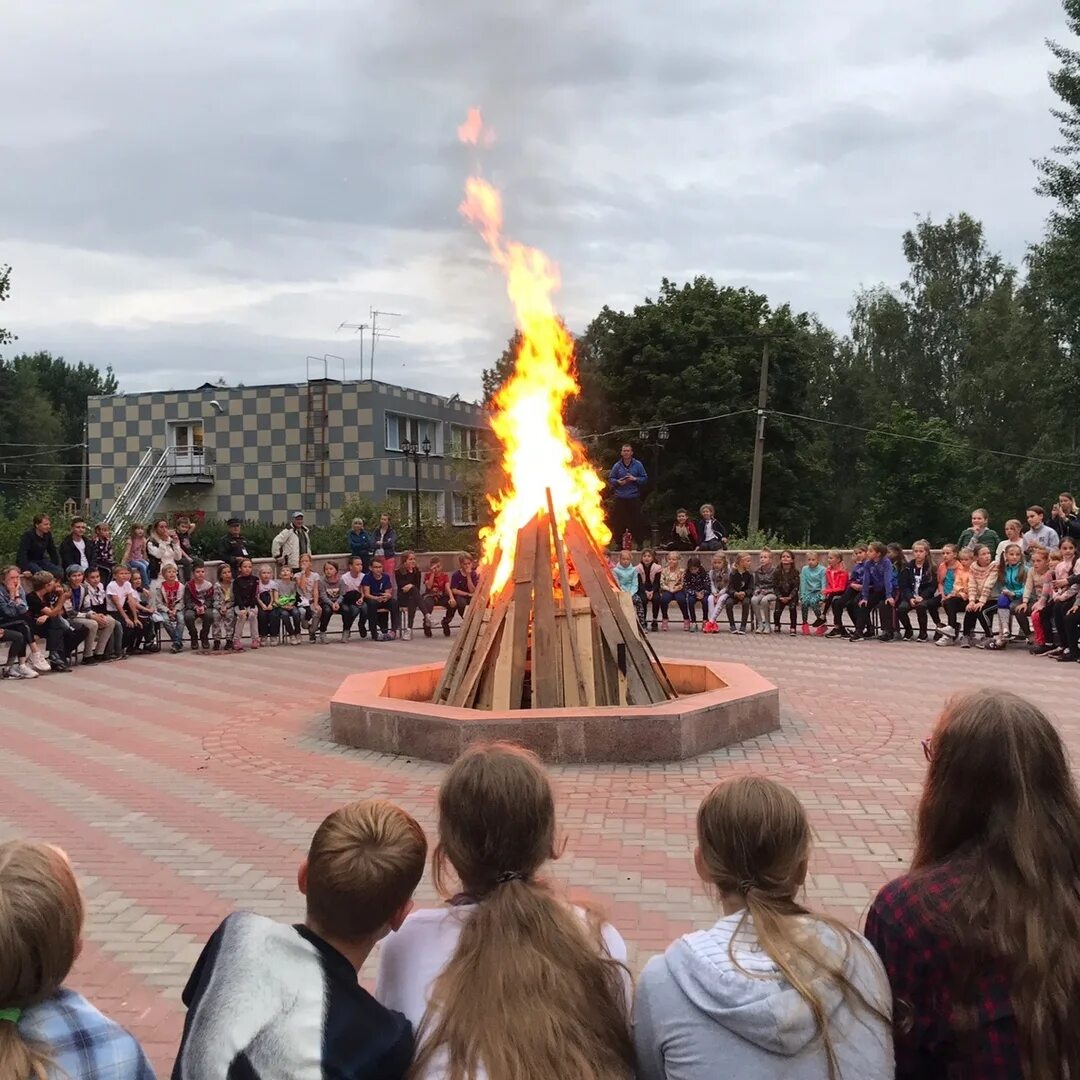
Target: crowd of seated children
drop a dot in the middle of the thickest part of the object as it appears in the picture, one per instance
(966, 966)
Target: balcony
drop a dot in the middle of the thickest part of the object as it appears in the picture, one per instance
(189, 465)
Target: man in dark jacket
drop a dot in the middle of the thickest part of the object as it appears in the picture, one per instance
(234, 546)
(37, 549)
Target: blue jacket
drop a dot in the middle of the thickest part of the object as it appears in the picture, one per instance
(628, 491)
(879, 577)
(359, 544)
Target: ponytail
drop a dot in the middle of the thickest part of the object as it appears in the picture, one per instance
(18, 1058)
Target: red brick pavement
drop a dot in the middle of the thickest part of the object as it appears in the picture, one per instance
(184, 787)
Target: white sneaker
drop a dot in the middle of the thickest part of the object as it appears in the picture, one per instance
(406, 634)
(25, 671)
(40, 663)
(346, 635)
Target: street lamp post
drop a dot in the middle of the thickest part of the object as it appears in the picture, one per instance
(662, 436)
(414, 450)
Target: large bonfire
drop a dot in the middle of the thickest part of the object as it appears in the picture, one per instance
(538, 452)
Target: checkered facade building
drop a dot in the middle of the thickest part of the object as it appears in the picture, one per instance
(270, 450)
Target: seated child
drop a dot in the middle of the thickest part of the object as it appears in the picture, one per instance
(269, 616)
(97, 628)
(740, 590)
(811, 593)
(835, 594)
(463, 583)
(288, 603)
(408, 581)
(96, 603)
(717, 598)
(626, 576)
(380, 601)
(696, 586)
(331, 600)
(273, 1001)
(437, 594)
(224, 610)
(199, 606)
(785, 587)
(245, 605)
(146, 640)
(649, 586)
(102, 551)
(352, 597)
(308, 590)
(50, 1031)
(684, 535)
(45, 605)
(763, 598)
(672, 587)
(169, 604)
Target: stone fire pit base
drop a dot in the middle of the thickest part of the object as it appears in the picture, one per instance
(719, 704)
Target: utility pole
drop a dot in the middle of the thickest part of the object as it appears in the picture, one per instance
(759, 442)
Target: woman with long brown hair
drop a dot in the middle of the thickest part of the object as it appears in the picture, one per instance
(772, 990)
(47, 1031)
(507, 981)
(981, 939)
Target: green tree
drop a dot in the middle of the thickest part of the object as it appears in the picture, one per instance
(6, 336)
(493, 377)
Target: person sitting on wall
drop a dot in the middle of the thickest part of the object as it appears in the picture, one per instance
(359, 543)
(37, 549)
(291, 543)
(76, 549)
(234, 546)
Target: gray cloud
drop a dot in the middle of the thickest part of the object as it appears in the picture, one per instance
(215, 192)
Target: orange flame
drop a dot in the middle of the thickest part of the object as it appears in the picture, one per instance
(527, 418)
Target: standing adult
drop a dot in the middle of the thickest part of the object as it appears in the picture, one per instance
(359, 542)
(627, 478)
(37, 549)
(1065, 519)
(385, 544)
(979, 534)
(291, 543)
(76, 549)
(234, 546)
(1038, 531)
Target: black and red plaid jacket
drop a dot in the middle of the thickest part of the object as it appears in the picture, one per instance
(926, 969)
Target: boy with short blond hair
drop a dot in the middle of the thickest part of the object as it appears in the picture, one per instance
(272, 1002)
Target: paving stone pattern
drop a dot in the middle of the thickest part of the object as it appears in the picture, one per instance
(184, 787)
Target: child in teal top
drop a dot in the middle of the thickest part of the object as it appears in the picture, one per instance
(811, 587)
(626, 576)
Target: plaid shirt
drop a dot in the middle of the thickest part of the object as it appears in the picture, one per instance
(925, 966)
(81, 1042)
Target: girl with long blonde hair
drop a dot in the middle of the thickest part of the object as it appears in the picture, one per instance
(46, 1031)
(980, 937)
(773, 990)
(507, 981)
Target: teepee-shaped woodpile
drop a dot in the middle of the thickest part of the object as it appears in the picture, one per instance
(560, 633)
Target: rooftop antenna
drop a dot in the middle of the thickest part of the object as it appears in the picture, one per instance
(377, 333)
(357, 328)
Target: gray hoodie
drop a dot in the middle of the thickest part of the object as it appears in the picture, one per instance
(698, 1017)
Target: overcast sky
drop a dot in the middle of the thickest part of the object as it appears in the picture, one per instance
(204, 189)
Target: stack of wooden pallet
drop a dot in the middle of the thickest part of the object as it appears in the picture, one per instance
(559, 634)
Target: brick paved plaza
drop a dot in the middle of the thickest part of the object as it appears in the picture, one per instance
(183, 787)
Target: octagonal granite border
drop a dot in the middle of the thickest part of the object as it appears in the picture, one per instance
(718, 704)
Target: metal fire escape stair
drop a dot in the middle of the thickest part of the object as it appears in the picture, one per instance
(143, 492)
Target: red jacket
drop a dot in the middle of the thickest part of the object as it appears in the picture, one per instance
(836, 581)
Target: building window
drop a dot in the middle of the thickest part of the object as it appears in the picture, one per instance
(466, 508)
(432, 506)
(464, 442)
(415, 429)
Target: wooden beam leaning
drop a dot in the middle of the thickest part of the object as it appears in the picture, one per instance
(564, 582)
(470, 627)
(643, 685)
(486, 636)
(546, 685)
(518, 641)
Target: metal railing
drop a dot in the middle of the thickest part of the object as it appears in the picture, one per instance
(140, 497)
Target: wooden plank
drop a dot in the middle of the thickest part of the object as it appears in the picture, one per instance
(470, 628)
(486, 636)
(583, 630)
(524, 568)
(500, 683)
(485, 688)
(643, 684)
(546, 688)
(607, 610)
(577, 694)
(457, 657)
